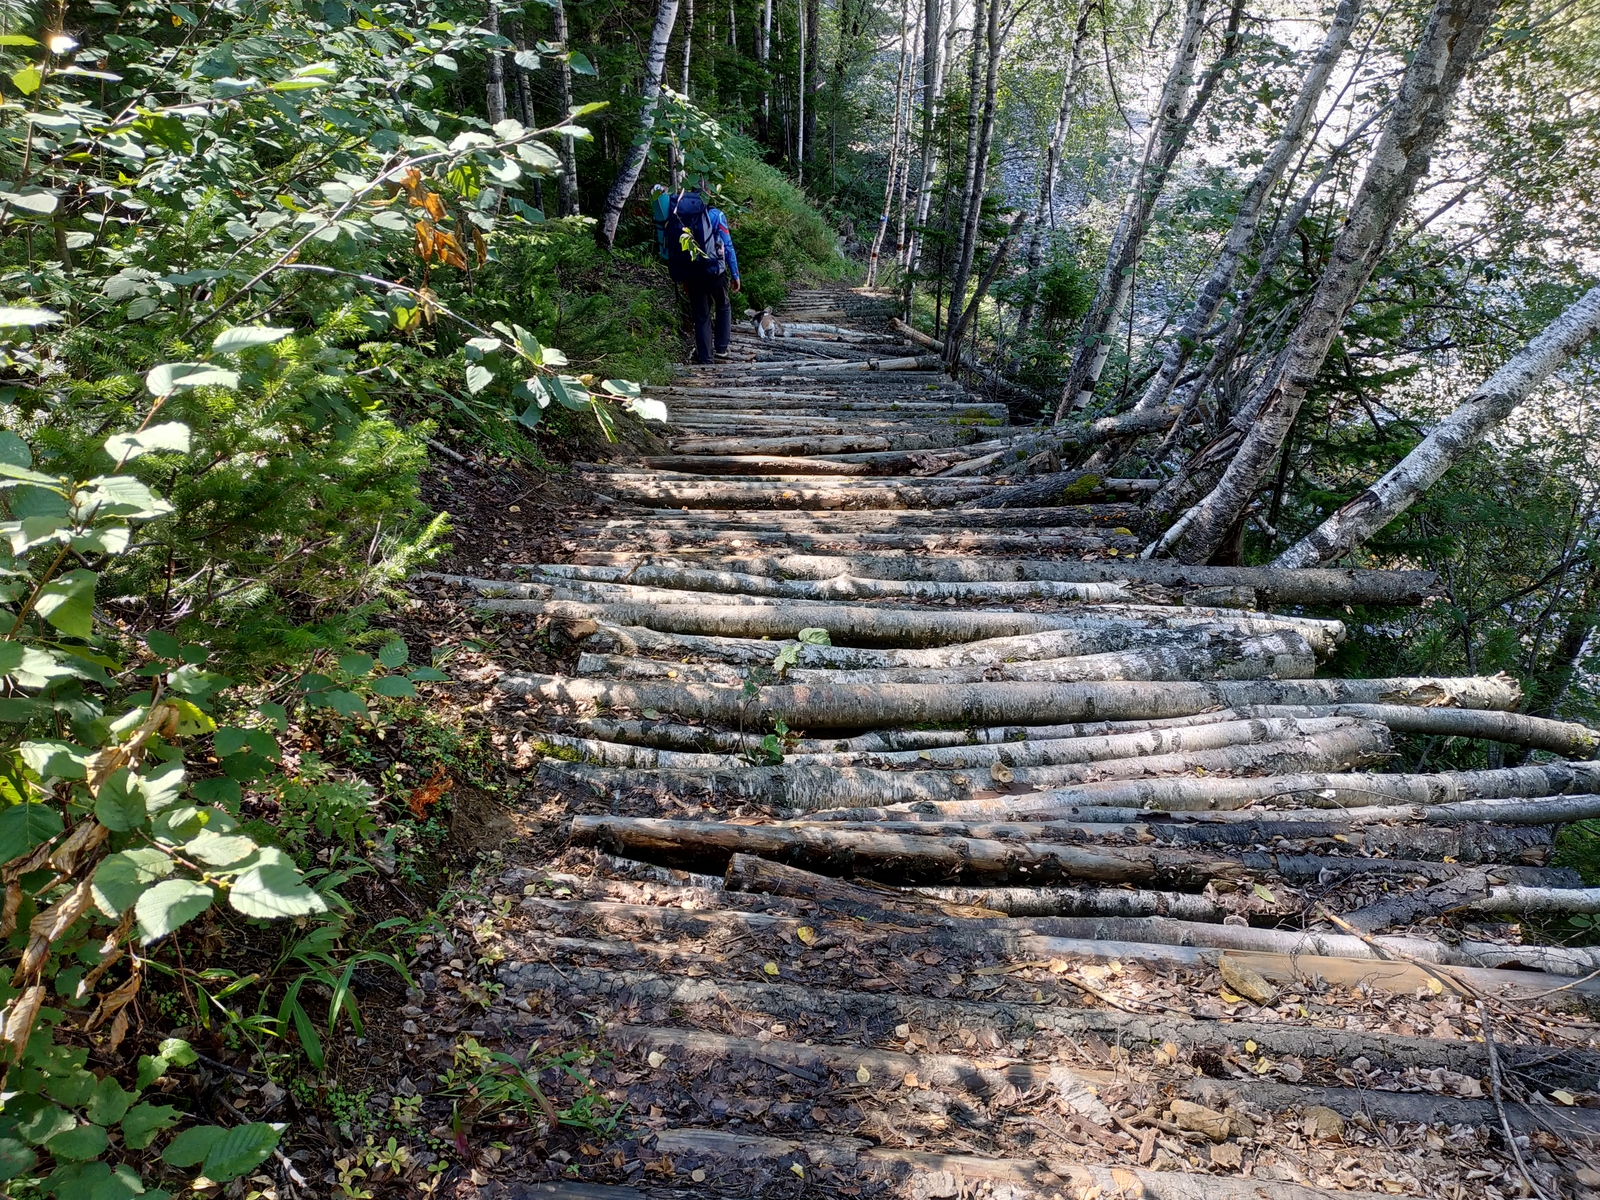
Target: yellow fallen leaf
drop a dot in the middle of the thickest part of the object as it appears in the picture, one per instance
(1435, 986)
(770, 968)
(863, 1075)
(1564, 1097)
(798, 1169)
(806, 934)
(1228, 997)
(657, 1058)
(1249, 1047)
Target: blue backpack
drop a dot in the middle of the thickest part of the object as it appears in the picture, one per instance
(689, 212)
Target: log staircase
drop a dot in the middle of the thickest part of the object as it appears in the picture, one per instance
(926, 847)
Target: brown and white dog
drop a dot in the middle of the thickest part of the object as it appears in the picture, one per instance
(766, 325)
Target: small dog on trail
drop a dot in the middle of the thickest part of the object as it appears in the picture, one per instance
(766, 324)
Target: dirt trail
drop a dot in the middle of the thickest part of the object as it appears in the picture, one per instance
(1244, 965)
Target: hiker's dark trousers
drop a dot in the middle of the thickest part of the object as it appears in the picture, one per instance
(706, 291)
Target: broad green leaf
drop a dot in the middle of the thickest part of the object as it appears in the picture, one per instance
(72, 1089)
(245, 337)
(225, 792)
(346, 704)
(580, 64)
(39, 1120)
(15, 1158)
(218, 850)
(173, 377)
(238, 1150)
(478, 377)
(24, 826)
(67, 602)
(15, 452)
(144, 1121)
(78, 1144)
(122, 496)
(168, 905)
(122, 877)
(120, 804)
(620, 387)
(27, 80)
(173, 436)
(17, 39)
(11, 654)
(31, 199)
(274, 890)
(177, 1052)
(648, 409)
(162, 786)
(163, 645)
(53, 757)
(397, 686)
(189, 1148)
(26, 318)
(394, 654)
(355, 664)
(108, 1103)
(814, 637)
(230, 740)
(275, 713)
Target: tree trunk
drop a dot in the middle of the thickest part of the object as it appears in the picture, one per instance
(633, 163)
(1168, 131)
(569, 158)
(894, 149)
(1242, 234)
(763, 56)
(1450, 440)
(917, 49)
(496, 100)
(811, 73)
(933, 60)
(1420, 116)
(688, 45)
(1047, 176)
(997, 262)
(969, 171)
(978, 167)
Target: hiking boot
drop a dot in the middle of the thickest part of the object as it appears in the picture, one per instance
(722, 356)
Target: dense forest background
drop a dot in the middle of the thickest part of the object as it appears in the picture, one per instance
(261, 262)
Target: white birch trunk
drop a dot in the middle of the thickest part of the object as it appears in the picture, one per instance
(496, 98)
(1463, 429)
(650, 92)
(569, 160)
(1420, 116)
(933, 60)
(894, 149)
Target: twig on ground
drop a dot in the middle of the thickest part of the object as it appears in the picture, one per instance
(1441, 975)
(1497, 1091)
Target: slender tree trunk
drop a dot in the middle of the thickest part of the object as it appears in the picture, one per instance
(1251, 204)
(994, 43)
(688, 44)
(1169, 130)
(1047, 176)
(932, 85)
(496, 100)
(905, 149)
(763, 56)
(894, 149)
(800, 95)
(569, 158)
(969, 314)
(1421, 114)
(969, 171)
(1449, 442)
(811, 75)
(519, 77)
(628, 173)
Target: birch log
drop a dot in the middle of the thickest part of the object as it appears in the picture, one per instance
(1450, 441)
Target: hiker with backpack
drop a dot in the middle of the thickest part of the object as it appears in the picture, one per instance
(693, 237)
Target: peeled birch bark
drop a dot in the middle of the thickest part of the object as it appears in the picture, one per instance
(1537, 901)
(1246, 221)
(1420, 115)
(649, 93)
(907, 858)
(1449, 441)
(846, 707)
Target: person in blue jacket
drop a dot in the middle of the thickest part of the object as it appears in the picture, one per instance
(708, 277)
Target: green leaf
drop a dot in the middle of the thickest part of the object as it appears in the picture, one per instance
(344, 703)
(72, 1089)
(246, 337)
(240, 1149)
(174, 377)
(478, 377)
(276, 714)
(394, 654)
(39, 1121)
(814, 637)
(1265, 893)
(397, 686)
(120, 804)
(355, 664)
(274, 890)
(219, 850)
(168, 905)
(178, 1052)
(14, 451)
(580, 64)
(78, 1144)
(171, 437)
(26, 318)
(27, 80)
(52, 757)
(67, 603)
(189, 1148)
(163, 645)
(108, 1103)
(122, 877)
(24, 826)
(15, 1158)
(144, 1121)
(225, 792)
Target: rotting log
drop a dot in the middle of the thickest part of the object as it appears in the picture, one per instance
(865, 707)
(749, 873)
(902, 857)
